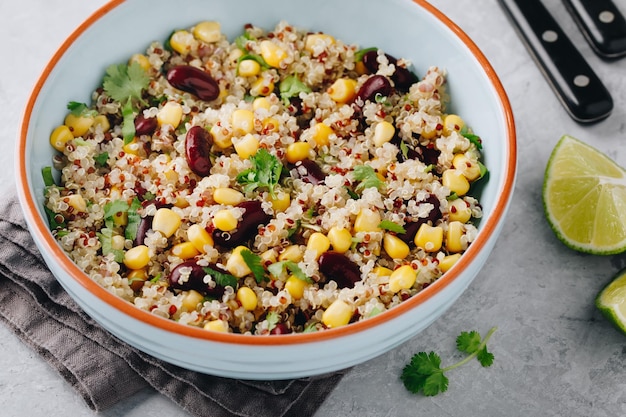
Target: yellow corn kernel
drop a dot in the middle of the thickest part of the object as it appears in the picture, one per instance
(395, 247)
(343, 90)
(136, 278)
(225, 220)
(262, 87)
(270, 125)
(272, 53)
(166, 221)
(297, 151)
(455, 181)
(181, 41)
(170, 114)
(142, 60)
(191, 299)
(337, 314)
(199, 237)
(246, 146)
(217, 326)
(402, 278)
(247, 297)
(102, 121)
(321, 134)
(269, 257)
(452, 123)
(133, 147)
(295, 287)
(367, 221)
(360, 68)
(315, 40)
(207, 31)
(248, 68)
(261, 103)
(120, 218)
(471, 170)
(181, 202)
(222, 137)
(77, 202)
(383, 133)
(242, 122)
(459, 211)
(340, 239)
(319, 243)
(281, 201)
(429, 237)
(381, 271)
(185, 250)
(453, 237)
(60, 136)
(428, 133)
(117, 242)
(236, 264)
(79, 125)
(227, 196)
(291, 253)
(448, 261)
(137, 257)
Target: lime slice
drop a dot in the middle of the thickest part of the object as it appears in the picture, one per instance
(584, 198)
(611, 301)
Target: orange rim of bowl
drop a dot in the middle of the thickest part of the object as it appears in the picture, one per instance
(41, 232)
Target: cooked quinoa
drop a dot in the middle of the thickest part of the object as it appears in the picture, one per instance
(282, 182)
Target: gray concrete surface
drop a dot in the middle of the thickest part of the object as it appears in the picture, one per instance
(554, 353)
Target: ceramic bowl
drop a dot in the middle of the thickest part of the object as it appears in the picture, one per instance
(418, 32)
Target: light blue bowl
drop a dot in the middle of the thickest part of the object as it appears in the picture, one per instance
(419, 32)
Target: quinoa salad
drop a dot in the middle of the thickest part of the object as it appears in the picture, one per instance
(280, 182)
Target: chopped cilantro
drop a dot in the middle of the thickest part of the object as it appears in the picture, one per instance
(292, 87)
(105, 236)
(222, 279)
(358, 55)
(278, 268)
(254, 263)
(52, 219)
(113, 209)
(472, 137)
(351, 193)
(392, 226)
(242, 40)
(102, 158)
(424, 373)
(404, 149)
(265, 172)
(48, 179)
(368, 177)
(128, 122)
(80, 109)
(272, 320)
(133, 219)
(253, 57)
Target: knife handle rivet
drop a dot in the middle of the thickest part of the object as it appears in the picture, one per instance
(549, 36)
(581, 81)
(606, 16)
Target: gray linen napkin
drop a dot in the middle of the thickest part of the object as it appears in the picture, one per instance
(104, 370)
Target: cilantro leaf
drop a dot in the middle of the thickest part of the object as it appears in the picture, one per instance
(102, 158)
(105, 236)
(265, 172)
(272, 320)
(80, 109)
(222, 279)
(392, 226)
(128, 122)
(368, 177)
(472, 137)
(125, 82)
(424, 372)
(254, 263)
(278, 268)
(134, 219)
(112, 209)
(48, 179)
(52, 219)
(291, 86)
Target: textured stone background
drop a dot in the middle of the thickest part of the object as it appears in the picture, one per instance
(555, 354)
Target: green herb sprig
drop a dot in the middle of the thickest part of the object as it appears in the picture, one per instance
(425, 374)
(367, 177)
(265, 172)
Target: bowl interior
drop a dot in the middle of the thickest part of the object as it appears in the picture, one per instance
(403, 28)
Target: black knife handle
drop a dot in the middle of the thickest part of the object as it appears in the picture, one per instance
(577, 86)
(603, 25)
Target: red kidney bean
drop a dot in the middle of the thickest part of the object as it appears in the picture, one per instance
(337, 267)
(373, 86)
(145, 224)
(402, 77)
(193, 80)
(145, 125)
(247, 228)
(196, 279)
(198, 143)
(312, 174)
(280, 328)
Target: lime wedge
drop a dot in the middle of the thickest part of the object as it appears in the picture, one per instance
(611, 301)
(584, 198)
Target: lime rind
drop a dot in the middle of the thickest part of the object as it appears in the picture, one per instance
(611, 301)
(584, 198)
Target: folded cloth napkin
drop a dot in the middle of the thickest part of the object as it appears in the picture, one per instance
(104, 370)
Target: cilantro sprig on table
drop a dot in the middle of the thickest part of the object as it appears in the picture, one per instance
(425, 374)
(125, 84)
